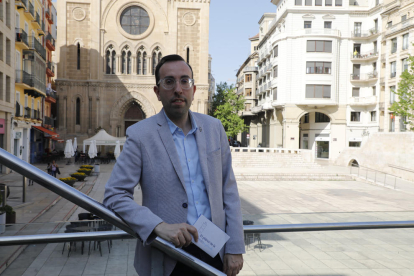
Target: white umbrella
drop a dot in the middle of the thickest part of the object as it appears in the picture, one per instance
(75, 144)
(117, 150)
(92, 152)
(69, 149)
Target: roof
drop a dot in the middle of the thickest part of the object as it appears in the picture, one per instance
(46, 131)
(103, 138)
(255, 37)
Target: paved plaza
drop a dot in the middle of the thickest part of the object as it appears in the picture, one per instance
(339, 253)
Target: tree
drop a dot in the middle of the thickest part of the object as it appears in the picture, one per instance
(404, 107)
(218, 98)
(227, 108)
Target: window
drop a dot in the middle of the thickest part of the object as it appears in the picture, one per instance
(393, 45)
(355, 91)
(375, 47)
(403, 123)
(392, 94)
(275, 71)
(405, 42)
(404, 64)
(319, 46)
(188, 55)
(308, 2)
(376, 25)
(8, 51)
(32, 115)
(373, 116)
(275, 94)
(306, 119)
(374, 91)
(392, 122)
(318, 67)
(1, 43)
(135, 20)
(248, 91)
(318, 2)
(354, 144)
(393, 69)
(318, 91)
(389, 24)
(357, 29)
(276, 51)
(113, 62)
(78, 56)
(144, 63)
(327, 24)
(78, 111)
(338, 2)
(298, 2)
(328, 2)
(8, 88)
(355, 116)
(154, 62)
(307, 24)
(248, 77)
(403, 18)
(255, 48)
(321, 118)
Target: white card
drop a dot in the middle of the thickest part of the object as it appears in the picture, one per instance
(210, 238)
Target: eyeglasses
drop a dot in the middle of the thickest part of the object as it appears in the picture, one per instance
(169, 83)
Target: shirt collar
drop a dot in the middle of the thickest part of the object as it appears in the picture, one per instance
(174, 128)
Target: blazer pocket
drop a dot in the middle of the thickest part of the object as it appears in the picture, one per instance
(214, 152)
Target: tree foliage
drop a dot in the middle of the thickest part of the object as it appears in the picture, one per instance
(226, 106)
(404, 107)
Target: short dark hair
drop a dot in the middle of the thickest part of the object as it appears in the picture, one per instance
(166, 59)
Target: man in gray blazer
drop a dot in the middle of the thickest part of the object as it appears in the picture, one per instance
(183, 162)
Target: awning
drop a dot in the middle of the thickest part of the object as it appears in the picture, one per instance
(58, 140)
(47, 132)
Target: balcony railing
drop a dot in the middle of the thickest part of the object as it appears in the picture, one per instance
(37, 19)
(364, 77)
(51, 66)
(36, 114)
(400, 26)
(363, 34)
(23, 2)
(31, 9)
(21, 36)
(35, 44)
(17, 113)
(250, 69)
(24, 77)
(365, 55)
(27, 112)
(363, 100)
(49, 121)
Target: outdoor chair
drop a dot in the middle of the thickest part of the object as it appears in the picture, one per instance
(251, 237)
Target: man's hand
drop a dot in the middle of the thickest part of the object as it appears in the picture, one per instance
(232, 264)
(178, 234)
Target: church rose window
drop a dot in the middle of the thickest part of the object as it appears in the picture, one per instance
(135, 20)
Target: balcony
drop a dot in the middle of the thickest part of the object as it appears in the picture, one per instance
(27, 112)
(41, 30)
(318, 32)
(50, 42)
(267, 105)
(17, 112)
(371, 100)
(409, 23)
(30, 13)
(35, 44)
(49, 122)
(21, 4)
(269, 86)
(50, 69)
(373, 76)
(257, 109)
(246, 69)
(49, 16)
(393, 74)
(36, 22)
(371, 33)
(22, 39)
(24, 79)
(366, 56)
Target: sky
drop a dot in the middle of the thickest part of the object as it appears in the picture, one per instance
(232, 23)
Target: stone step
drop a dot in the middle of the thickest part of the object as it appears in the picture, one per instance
(293, 177)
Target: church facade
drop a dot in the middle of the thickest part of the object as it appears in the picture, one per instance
(106, 55)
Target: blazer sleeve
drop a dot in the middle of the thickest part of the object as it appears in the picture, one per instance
(119, 190)
(231, 200)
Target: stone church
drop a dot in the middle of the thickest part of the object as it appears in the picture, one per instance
(106, 55)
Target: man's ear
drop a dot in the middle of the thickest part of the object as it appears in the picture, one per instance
(195, 88)
(157, 92)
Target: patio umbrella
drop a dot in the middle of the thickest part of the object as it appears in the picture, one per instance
(75, 144)
(92, 152)
(69, 152)
(117, 151)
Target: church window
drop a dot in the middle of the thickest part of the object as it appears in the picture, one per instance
(129, 62)
(78, 111)
(113, 62)
(156, 57)
(135, 20)
(123, 62)
(79, 53)
(139, 63)
(144, 66)
(126, 61)
(188, 55)
(110, 60)
(159, 56)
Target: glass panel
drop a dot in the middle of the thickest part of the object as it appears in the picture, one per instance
(327, 67)
(310, 69)
(355, 92)
(327, 91)
(328, 2)
(310, 47)
(298, 2)
(318, 91)
(135, 20)
(338, 2)
(319, 67)
(328, 46)
(308, 2)
(319, 46)
(310, 91)
(318, 2)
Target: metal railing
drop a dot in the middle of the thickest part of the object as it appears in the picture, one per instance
(27, 112)
(21, 36)
(37, 18)
(49, 121)
(35, 44)
(50, 38)
(362, 34)
(17, 113)
(51, 66)
(31, 9)
(365, 55)
(362, 77)
(24, 2)
(250, 69)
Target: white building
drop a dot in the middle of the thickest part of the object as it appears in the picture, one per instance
(318, 80)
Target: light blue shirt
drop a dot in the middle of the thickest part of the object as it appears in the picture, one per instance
(187, 150)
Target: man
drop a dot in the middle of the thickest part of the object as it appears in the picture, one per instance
(183, 162)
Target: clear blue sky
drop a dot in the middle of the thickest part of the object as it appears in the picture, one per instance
(232, 23)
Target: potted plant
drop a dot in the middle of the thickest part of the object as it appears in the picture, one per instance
(90, 167)
(10, 214)
(69, 180)
(85, 171)
(79, 176)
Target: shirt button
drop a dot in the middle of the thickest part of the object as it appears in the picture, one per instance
(185, 205)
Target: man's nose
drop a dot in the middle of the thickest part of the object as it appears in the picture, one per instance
(178, 88)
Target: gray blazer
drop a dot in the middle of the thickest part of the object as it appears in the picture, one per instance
(149, 157)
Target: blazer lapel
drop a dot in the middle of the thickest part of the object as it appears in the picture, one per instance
(202, 153)
(166, 137)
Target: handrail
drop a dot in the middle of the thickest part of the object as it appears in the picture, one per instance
(93, 206)
(248, 229)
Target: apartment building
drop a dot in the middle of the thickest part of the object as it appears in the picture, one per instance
(30, 82)
(246, 86)
(6, 76)
(397, 41)
(318, 80)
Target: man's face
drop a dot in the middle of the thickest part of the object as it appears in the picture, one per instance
(176, 101)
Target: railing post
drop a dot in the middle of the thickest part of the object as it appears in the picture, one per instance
(24, 189)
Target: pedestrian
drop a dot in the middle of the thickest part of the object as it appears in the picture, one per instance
(49, 168)
(54, 168)
(182, 161)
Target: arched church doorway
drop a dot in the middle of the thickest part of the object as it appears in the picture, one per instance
(133, 115)
(314, 131)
